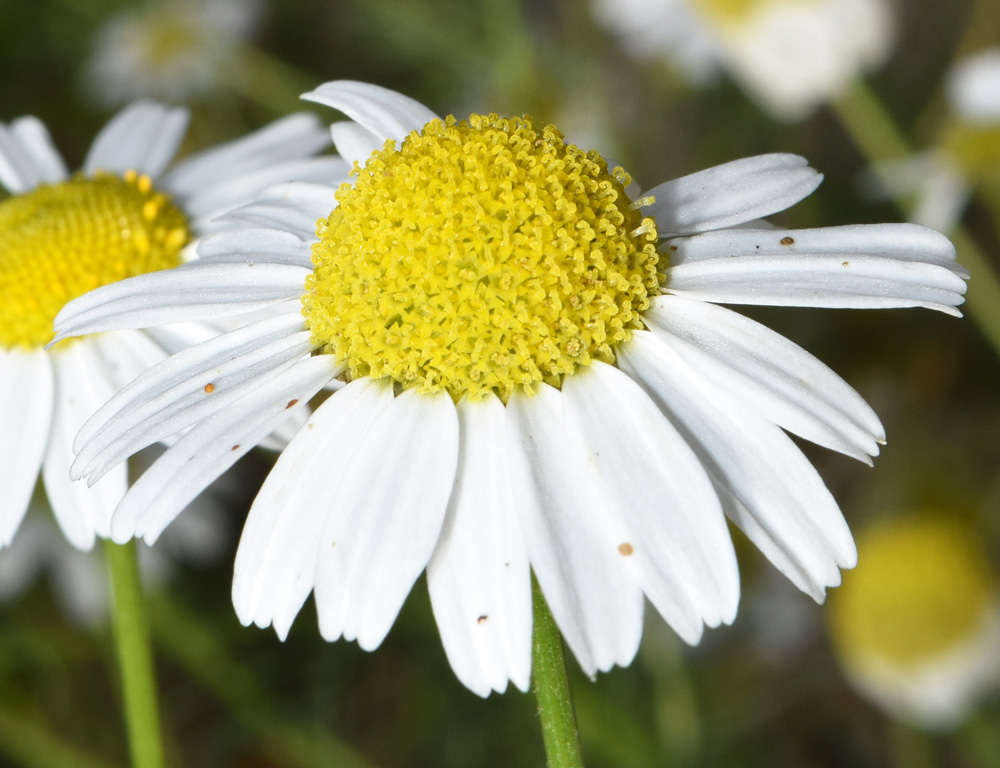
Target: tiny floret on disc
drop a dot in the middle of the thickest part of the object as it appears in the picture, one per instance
(478, 257)
(59, 241)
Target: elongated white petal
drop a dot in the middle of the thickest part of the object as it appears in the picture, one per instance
(250, 245)
(572, 542)
(192, 292)
(386, 113)
(26, 395)
(731, 193)
(354, 143)
(81, 386)
(386, 516)
(143, 137)
(767, 487)
(276, 560)
(293, 137)
(279, 214)
(127, 354)
(678, 543)
(311, 201)
(768, 374)
(211, 447)
(27, 156)
(203, 392)
(479, 579)
(799, 280)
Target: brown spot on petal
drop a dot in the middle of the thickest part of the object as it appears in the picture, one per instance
(846, 263)
(625, 549)
(787, 240)
(209, 389)
(482, 619)
(235, 448)
(290, 404)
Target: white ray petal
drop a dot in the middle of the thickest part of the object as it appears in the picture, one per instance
(572, 543)
(194, 291)
(211, 447)
(386, 113)
(731, 193)
(26, 396)
(279, 214)
(81, 385)
(781, 502)
(385, 519)
(479, 579)
(798, 280)
(143, 137)
(354, 142)
(255, 244)
(290, 138)
(186, 388)
(768, 373)
(677, 540)
(276, 560)
(37, 143)
(127, 354)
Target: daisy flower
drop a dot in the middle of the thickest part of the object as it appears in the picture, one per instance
(125, 213)
(167, 49)
(789, 55)
(531, 371)
(917, 626)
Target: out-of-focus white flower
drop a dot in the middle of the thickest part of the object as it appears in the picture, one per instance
(917, 625)
(172, 50)
(789, 55)
(974, 88)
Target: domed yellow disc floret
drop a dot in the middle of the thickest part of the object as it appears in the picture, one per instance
(923, 587)
(61, 240)
(478, 257)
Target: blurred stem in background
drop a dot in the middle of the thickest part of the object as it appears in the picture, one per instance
(551, 687)
(876, 135)
(135, 657)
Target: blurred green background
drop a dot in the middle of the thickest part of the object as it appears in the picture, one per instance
(768, 691)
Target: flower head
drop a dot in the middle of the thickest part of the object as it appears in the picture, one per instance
(522, 381)
(126, 213)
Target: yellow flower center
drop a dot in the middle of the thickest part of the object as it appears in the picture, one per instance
(922, 587)
(61, 240)
(479, 257)
(975, 149)
(730, 13)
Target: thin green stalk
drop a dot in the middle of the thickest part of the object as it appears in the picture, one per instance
(135, 657)
(551, 687)
(875, 133)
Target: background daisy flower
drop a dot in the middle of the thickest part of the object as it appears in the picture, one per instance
(532, 372)
(128, 211)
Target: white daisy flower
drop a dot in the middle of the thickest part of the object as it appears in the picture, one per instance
(167, 49)
(790, 55)
(125, 213)
(531, 371)
(917, 626)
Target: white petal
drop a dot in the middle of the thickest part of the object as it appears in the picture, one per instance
(211, 447)
(731, 193)
(974, 87)
(276, 560)
(312, 201)
(192, 292)
(479, 579)
(143, 137)
(27, 156)
(279, 214)
(386, 113)
(26, 397)
(127, 354)
(385, 517)
(185, 389)
(572, 542)
(293, 137)
(768, 488)
(251, 244)
(768, 374)
(677, 541)
(354, 143)
(81, 386)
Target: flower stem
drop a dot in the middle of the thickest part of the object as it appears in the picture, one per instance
(135, 657)
(551, 687)
(874, 132)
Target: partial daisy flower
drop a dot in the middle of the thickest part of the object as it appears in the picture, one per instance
(125, 213)
(917, 625)
(531, 371)
(789, 55)
(942, 178)
(167, 49)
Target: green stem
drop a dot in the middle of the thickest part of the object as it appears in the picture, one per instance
(551, 687)
(135, 657)
(875, 133)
